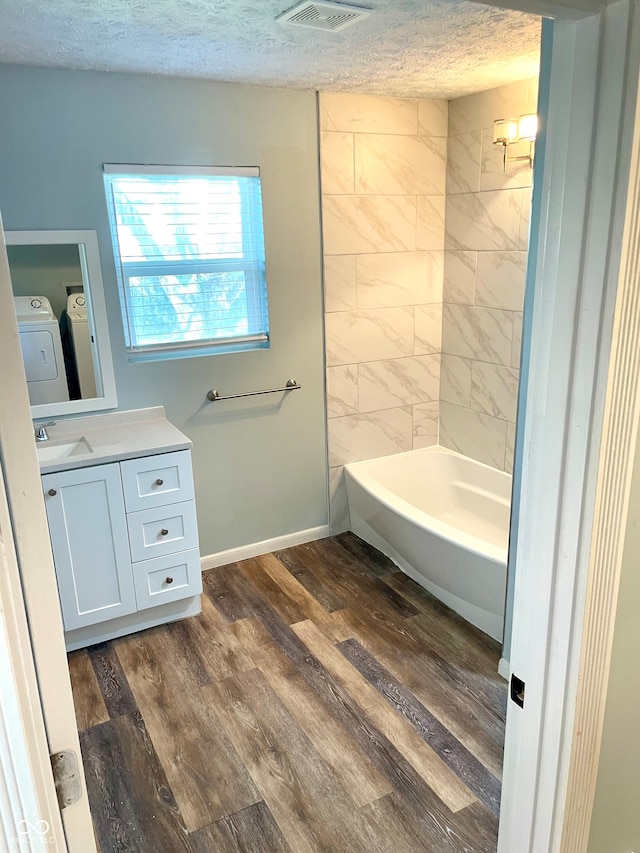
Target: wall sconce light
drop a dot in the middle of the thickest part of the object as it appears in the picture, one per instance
(508, 131)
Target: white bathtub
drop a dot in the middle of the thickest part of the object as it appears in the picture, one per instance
(444, 520)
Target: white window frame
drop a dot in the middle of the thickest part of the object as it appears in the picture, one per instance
(131, 269)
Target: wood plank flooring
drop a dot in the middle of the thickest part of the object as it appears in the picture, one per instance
(321, 703)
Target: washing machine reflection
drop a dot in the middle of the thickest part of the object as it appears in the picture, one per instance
(79, 346)
(41, 350)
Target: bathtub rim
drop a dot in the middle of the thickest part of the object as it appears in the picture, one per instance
(360, 473)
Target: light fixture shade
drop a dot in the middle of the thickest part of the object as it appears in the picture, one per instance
(528, 127)
(505, 131)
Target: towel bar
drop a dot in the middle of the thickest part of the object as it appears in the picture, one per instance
(291, 385)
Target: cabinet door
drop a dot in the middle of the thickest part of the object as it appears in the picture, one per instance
(88, 529)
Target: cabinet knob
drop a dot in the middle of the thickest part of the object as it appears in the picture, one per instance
(159, 482)
(168, 580)
(52, 493)
(164, 531)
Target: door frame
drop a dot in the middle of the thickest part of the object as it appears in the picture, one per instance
(610, 526)
(28, 802)
(589, 77)
(34, 588)
(577, 232)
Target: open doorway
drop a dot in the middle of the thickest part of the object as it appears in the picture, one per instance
(362, 685)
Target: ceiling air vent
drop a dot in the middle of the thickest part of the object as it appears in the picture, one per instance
(330, 17)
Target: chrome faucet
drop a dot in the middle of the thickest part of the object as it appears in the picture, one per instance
(41, 430)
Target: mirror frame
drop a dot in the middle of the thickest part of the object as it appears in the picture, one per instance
(87, 242)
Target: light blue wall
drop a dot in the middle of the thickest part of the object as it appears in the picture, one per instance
(543, 106)
(260, 468)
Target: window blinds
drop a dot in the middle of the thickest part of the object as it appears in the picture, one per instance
(189, 250)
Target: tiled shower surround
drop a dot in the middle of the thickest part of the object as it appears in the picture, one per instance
(486, 241)
(383, 168)
(423, 311)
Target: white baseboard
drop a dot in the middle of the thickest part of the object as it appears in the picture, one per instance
(504, 669)
(256, 549)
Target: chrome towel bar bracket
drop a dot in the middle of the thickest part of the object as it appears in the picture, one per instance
(291, 385)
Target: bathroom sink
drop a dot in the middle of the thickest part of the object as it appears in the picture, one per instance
(50, 452)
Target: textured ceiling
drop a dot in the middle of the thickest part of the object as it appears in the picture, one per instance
(407, 48)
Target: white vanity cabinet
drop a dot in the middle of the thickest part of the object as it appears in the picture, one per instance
(88, 531)
(125, 544)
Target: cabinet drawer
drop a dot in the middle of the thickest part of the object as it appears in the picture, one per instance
(157, 480)
(165, 530)
(167, 579)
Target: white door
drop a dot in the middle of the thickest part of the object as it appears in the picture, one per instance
(88, 529)
(28, 804)
(32, 551)
(589, 81)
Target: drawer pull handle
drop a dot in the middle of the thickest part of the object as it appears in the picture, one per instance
(52, 493)
(159, 482)
(164, 532)
(168, 580)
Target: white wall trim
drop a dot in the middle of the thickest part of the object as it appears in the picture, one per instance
(27, 789)
(577, 222)
(612, 503)
(18, 790)
(256, 549)
(504, 669)
(31, 585)
(561, 9)
(26, 782)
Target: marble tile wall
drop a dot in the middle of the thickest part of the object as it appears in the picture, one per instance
(383, 181)
(486, 241)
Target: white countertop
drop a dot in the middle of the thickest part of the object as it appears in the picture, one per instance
(113, 437)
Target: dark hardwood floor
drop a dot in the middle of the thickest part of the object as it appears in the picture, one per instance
(322, 701)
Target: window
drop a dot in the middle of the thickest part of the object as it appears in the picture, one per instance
(189, 252)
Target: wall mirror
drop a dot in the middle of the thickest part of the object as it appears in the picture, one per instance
(62, 321)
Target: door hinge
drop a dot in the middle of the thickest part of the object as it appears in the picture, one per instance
(517, 690)
(66, 776)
